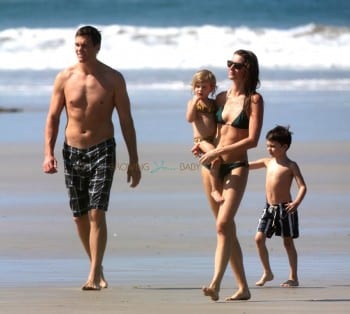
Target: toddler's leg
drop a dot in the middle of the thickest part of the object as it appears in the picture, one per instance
(214, 181)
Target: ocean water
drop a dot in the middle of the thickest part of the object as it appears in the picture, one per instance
(303, 49)
(178, 34)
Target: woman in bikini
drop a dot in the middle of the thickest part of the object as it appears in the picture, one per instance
(239, 120)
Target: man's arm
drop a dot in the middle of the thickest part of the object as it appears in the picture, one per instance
(52, 125)
(122, 104)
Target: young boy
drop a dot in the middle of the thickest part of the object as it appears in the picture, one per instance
(201, 113)
(280, 215)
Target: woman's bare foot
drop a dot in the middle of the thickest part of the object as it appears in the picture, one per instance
(217, 196)
(97, 283)
(91, 286)
(211, 292)
(264, 278)
(290, 283)
(239, 296)
(103, 281)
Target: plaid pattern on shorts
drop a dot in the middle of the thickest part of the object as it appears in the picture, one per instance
(275, 220)
(89, 175)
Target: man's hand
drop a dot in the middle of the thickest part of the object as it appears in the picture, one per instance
(134, 174)
(50, 164)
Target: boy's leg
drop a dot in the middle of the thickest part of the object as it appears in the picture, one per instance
(260, 240)
(293, 263)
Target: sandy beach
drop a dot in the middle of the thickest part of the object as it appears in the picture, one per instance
(162, 238)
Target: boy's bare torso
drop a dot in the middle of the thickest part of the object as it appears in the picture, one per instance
(279, 179)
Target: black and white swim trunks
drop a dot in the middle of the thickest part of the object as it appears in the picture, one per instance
(275, 220)
(89, 175)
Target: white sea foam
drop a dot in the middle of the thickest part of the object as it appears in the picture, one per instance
(341, 84)
(130, 47)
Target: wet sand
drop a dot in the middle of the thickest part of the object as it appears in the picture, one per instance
(162, 238)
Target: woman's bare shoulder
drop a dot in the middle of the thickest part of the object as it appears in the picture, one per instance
(220, 98)
(257, 98)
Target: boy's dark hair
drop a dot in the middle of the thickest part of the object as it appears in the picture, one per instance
(91, 32)
(281, 135)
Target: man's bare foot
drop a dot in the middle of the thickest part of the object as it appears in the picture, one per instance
(217, 196)
(264, 278)
(90, 286)
(211, 292)
(290, 283)
(239, 296)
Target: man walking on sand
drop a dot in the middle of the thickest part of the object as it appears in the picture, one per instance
(89, 91)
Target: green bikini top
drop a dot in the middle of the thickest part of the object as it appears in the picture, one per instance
(241, 121)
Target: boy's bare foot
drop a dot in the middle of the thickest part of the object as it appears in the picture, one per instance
(239, 296)
(217, 196)
(290, 283)
(211, 292)
(264, 278)
(90, 286)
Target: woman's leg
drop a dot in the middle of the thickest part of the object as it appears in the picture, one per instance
(234, 188)
(210, 291)
(228, 247)
(224, 244)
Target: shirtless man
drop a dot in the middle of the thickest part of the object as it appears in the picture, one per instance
(280, 216)
(89, 91)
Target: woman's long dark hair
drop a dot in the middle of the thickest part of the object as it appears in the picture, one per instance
(252, 81)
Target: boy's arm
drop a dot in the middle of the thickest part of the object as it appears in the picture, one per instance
(257, 164)
(191, 109)
(293, 206)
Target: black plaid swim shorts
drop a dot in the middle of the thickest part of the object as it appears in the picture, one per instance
(276, 220)
(89, 175)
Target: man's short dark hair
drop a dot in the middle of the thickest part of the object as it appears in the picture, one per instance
(91, 32)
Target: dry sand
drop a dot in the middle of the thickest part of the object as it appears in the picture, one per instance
(162, 238)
